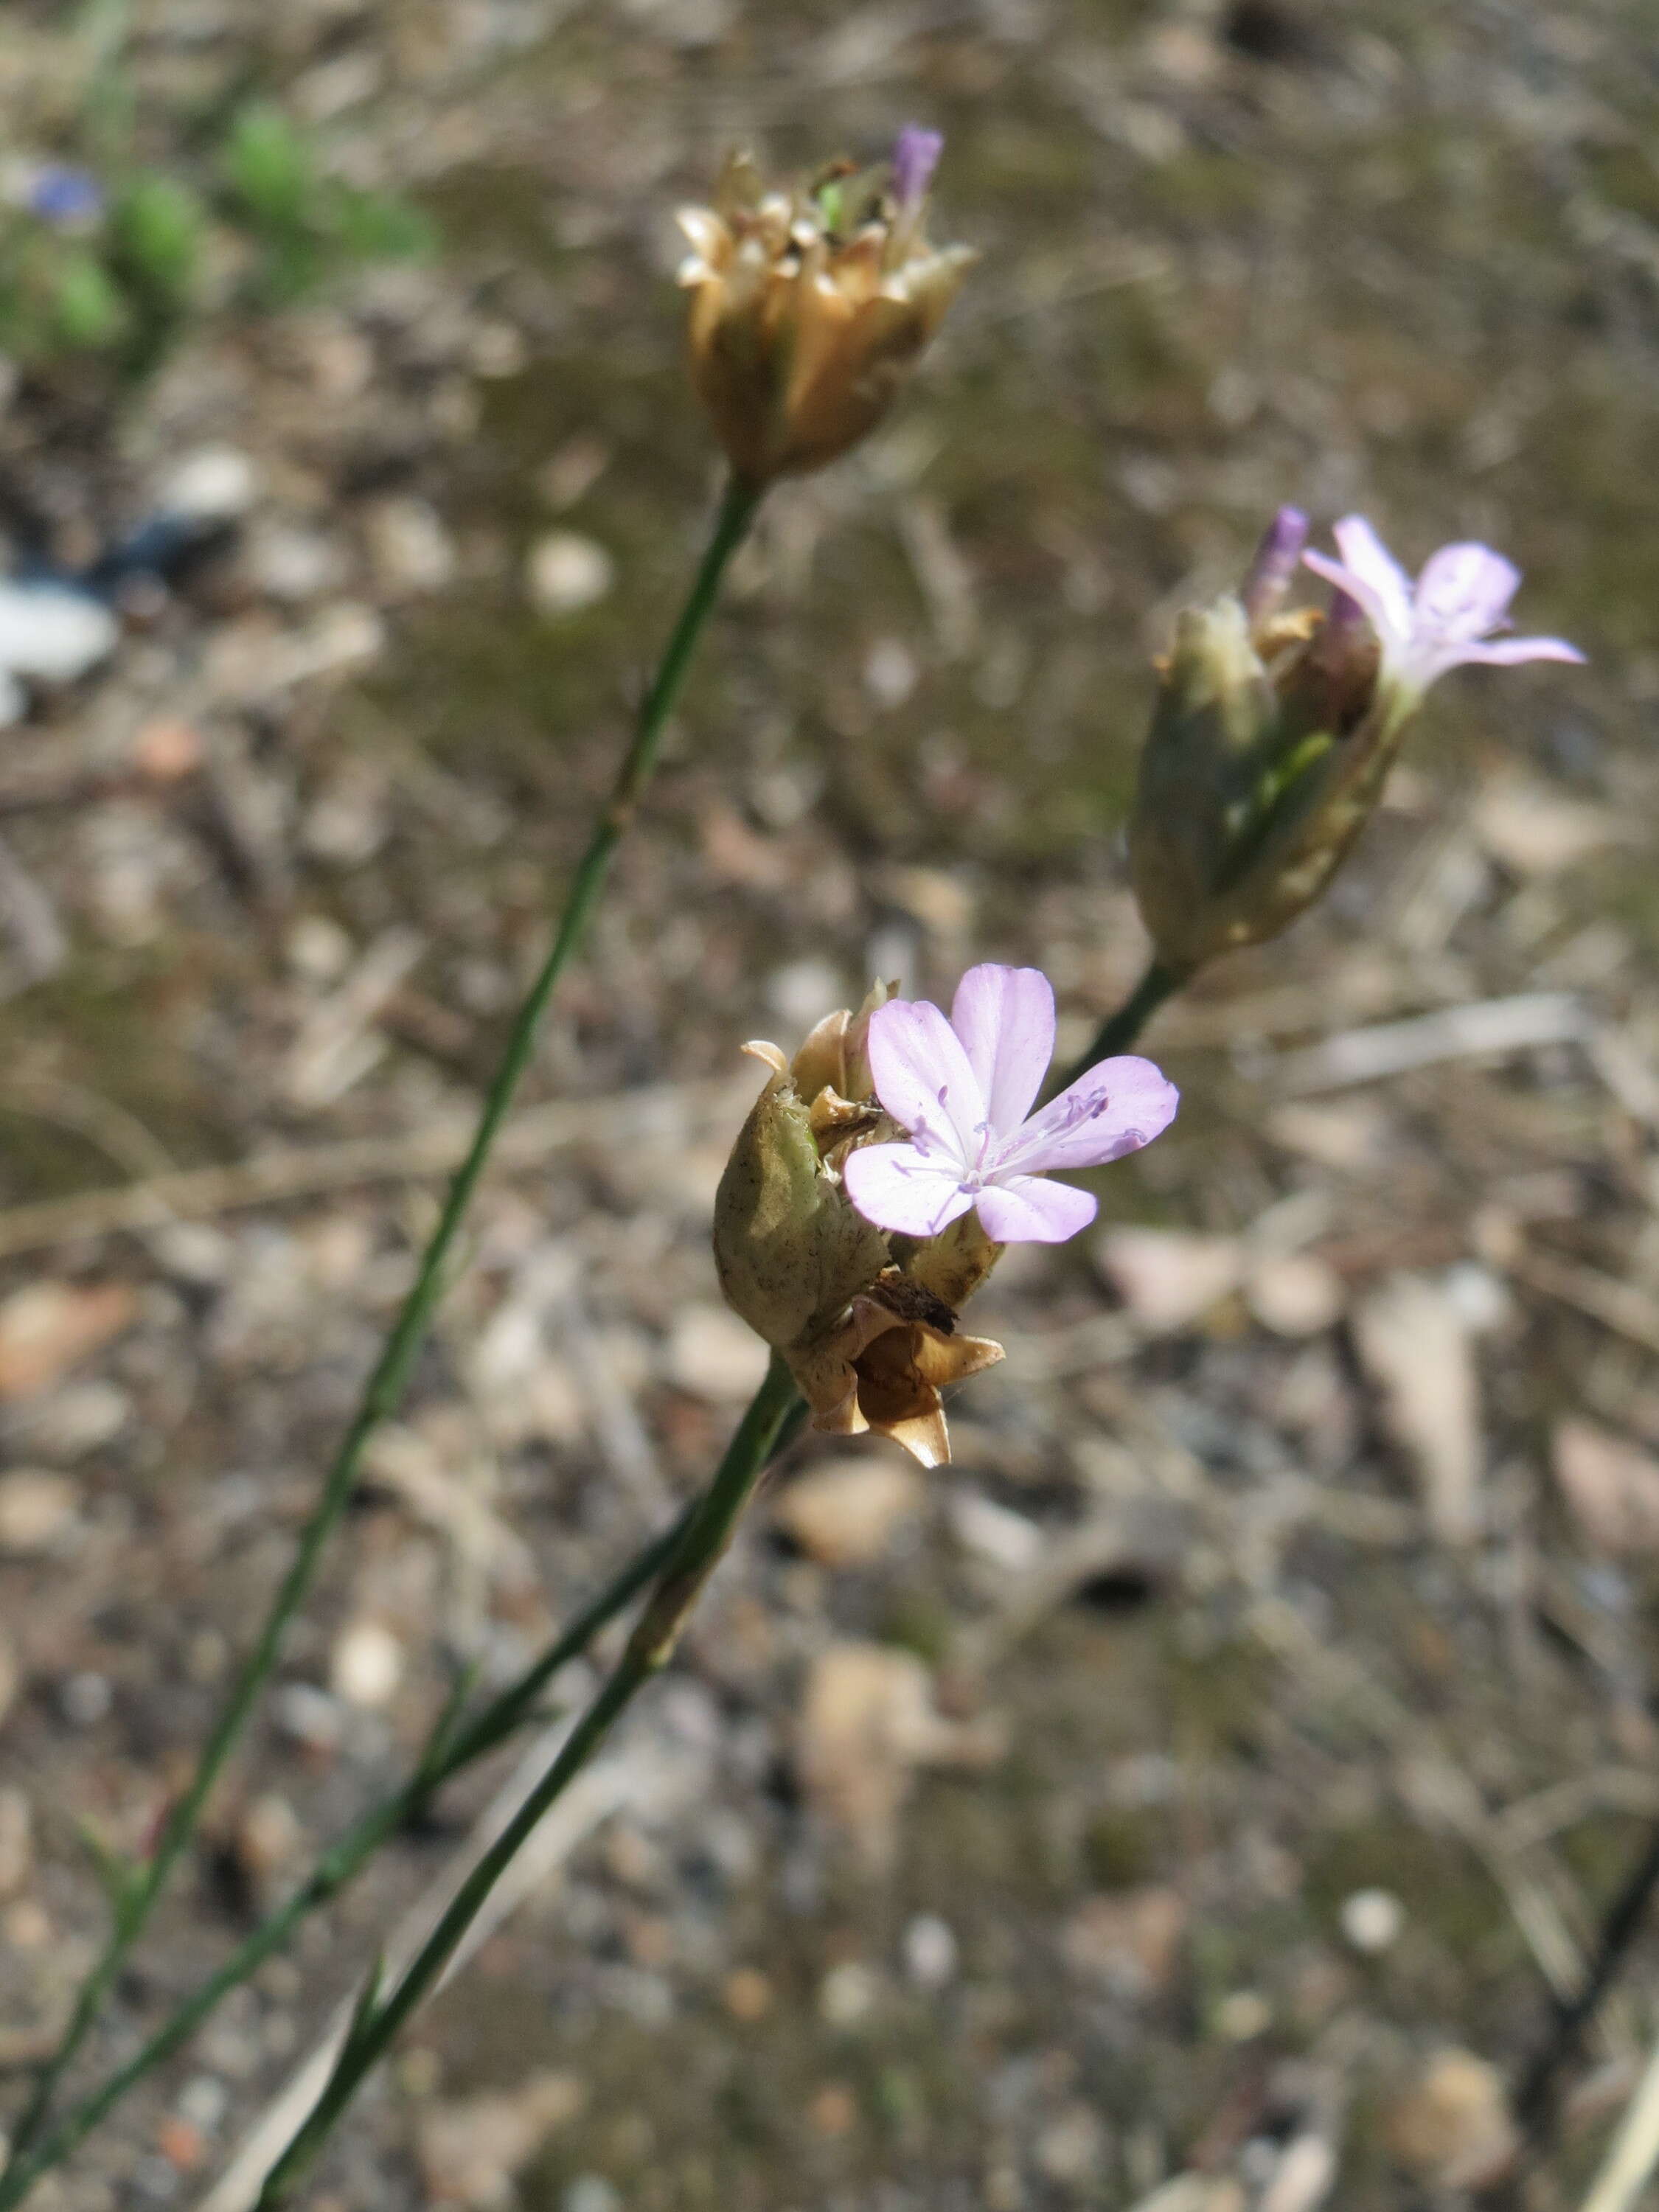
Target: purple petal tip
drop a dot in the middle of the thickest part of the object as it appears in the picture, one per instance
(1275, 561)
(915, 157)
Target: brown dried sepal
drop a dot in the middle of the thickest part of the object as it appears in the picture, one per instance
(883, 1368)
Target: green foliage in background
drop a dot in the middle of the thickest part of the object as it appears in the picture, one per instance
(259, 226)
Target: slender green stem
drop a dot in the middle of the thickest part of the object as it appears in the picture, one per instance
(706, 1535)
(385, 1388)
(1120, 1030)
(347, 1856)
(774, 1413)
(712, 1517)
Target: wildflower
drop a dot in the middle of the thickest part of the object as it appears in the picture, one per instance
(1444, 620)
(810, 306)
(964, 1089)
(58, 194)
(869, 1335)
(1274, 729)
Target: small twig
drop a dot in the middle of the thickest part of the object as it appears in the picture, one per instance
(1491, 1026)
(383, 1392)
(311, 1171)
(1634, 2151)
(1537, 2097)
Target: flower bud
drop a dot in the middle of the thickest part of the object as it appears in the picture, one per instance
(1274, 732)
(867, 1324)
(810, 307)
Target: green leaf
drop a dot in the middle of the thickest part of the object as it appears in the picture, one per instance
(87, 309)
(159, 225)
(269, 167)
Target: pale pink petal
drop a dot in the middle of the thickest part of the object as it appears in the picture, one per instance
(1370, 563)
(898, 1188)
(1510, 652)
(1026, 1210)
(1114, 1109)
(1463, 594)
(1006, 1019)
(923, 1078)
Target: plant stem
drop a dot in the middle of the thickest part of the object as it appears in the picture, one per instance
(775, 1411)
(385, 1388)
(347, 1856)
(1537, 2097)
(703, 1530)
(694, 1557)
(1120, 1030)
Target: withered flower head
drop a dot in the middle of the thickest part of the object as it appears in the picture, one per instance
(810, 305)
(1274, 732)
(870, 1333)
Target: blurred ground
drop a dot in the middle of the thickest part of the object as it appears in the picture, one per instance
(1199, 1787)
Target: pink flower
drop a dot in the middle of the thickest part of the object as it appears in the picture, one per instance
(963, 1089)
(1446, 618)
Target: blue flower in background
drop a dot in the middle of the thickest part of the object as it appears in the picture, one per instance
(57, 193)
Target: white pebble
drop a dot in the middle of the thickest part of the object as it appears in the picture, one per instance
(1372, 1919)
(367, 1665)
(568, 572)
(931, 1954)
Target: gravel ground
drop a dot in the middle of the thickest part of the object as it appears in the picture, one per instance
(1191, 1798)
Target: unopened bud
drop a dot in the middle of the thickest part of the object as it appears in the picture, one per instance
(1273, 733)
(810, 306)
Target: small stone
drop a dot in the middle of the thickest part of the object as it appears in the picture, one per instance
(1129, 1940)
(848, 1513)
(1005, 1539)
(931, 1954)
(204, 2100)
(214, 483)
(1372, 1919)
(890, 673)
(52, 632)
(567, 573)
(573, 471)
(268, 1839)
(16, 1841)
(713, 1355)
(47, 1328)
(499, 349)
(1241, 2015)
(27, 1926)
(79, 1418)
(85, 1698)
(409, 545)
(295, 564)
(309, 1716)
(848, 1994)
(37, 1511)
(833, 2112)
(588, 2192)
(1452, 2127)
(1168, 1277)
(1072, 2148)
(181, 2142)
(747, 1994)
(802, 991)
(1296, 1294)
(166, 749)
(471, 2149)
(367, 1665)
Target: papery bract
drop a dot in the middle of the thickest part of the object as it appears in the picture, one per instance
(809, 308)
